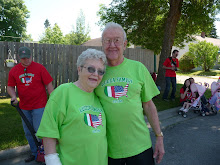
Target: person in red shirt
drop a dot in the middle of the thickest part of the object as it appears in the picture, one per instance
(30, 79)
(171, 64)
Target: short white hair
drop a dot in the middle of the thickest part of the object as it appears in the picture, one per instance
(114, 25)
(90, 54)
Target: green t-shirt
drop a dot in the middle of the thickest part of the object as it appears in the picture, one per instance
(76, 118)
(121, 92)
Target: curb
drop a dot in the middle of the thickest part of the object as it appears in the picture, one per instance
(14, 152)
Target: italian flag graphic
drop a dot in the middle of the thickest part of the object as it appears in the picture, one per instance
(110, 91)
(87, 119)
(22, 80)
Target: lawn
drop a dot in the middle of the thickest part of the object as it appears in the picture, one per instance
(12, 133)
(192, 73)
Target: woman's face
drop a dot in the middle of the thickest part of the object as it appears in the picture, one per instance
(187, 83)
(90, 75)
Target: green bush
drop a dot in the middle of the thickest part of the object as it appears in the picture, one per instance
(186, 63)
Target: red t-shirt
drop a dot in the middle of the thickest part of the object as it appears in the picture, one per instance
(188, 95)
(167, 63)
(31, 88)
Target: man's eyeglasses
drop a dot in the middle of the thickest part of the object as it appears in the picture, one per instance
(92, 69)
(25, 72)
(117, 41)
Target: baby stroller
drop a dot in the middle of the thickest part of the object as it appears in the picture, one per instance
(196, 105)
(215, 98)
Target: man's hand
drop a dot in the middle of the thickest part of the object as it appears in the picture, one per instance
(14, 100)
(159, 149)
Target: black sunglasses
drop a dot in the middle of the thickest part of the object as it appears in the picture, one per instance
(92, 69)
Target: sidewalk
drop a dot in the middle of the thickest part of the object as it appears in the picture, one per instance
(167, 118)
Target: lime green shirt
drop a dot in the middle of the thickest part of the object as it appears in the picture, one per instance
(77, 120)
(121, 92)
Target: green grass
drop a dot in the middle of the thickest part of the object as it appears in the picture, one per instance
(11, 132)
(200, 73)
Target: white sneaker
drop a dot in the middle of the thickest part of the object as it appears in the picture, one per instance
(181, 109)
(185, 110)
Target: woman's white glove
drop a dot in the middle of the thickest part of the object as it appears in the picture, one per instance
(52, 159)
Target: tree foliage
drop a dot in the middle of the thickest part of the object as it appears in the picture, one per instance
(52, 35)
(46, 24)
(160, 24)
(13, 20)
(81, 34)
(204, 54)
(186, 63)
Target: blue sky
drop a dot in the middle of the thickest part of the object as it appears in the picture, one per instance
(65, 13)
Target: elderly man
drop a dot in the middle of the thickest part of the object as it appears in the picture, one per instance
(126, 93)
(30, 78)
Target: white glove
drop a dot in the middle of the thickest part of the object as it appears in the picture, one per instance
(52, 159)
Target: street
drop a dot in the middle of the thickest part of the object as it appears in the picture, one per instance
(193, 142)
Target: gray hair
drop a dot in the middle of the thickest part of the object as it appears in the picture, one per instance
(114, 25)
(91, 54)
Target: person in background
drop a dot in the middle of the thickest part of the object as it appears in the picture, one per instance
(126, 93)
(185, 95)
(30, 79)
(75, 118)
(171, 64)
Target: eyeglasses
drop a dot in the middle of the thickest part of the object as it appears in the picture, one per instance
(25, 72)
(92, 69)
(117, 41)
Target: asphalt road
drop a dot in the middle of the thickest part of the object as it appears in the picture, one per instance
(193, 142)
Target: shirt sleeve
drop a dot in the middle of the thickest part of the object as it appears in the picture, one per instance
(166, 62)
(149, 88)
(177, 63)
(54, 116)
(11, 79)
(45, 75)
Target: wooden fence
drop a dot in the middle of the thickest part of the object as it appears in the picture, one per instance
(60, 60)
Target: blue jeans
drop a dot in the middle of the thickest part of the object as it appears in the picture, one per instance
(169, 80)
(34, 117)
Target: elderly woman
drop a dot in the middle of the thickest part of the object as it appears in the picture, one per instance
(74, 117)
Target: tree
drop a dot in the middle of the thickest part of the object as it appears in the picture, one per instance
(204, 54)
(52, 35)
(81, 34)
(154, 24)
(213, 33)
(13, 20)
(46, 24)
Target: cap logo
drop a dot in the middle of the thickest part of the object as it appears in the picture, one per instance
(23, 51)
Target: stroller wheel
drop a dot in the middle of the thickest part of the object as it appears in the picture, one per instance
(180, 112)
(184, 115)
(203, 114)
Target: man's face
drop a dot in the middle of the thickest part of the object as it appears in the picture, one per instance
(25, 62)
(114, 45)
(175, 54)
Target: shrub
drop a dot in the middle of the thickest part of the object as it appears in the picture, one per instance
(186, 63)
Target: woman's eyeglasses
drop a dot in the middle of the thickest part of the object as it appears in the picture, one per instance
(25, 72)
(92, 69)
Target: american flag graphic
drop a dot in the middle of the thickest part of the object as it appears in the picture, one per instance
(93, 120)
(28, 80)
(116, 91)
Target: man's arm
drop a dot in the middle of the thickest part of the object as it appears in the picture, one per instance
(171, 68)
(50, 88)
(151, 113)
(11, 92)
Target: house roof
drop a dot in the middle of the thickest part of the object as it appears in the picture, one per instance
(215, 41)
(93, 42)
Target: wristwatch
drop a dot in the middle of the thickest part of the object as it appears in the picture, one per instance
(160, 134)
